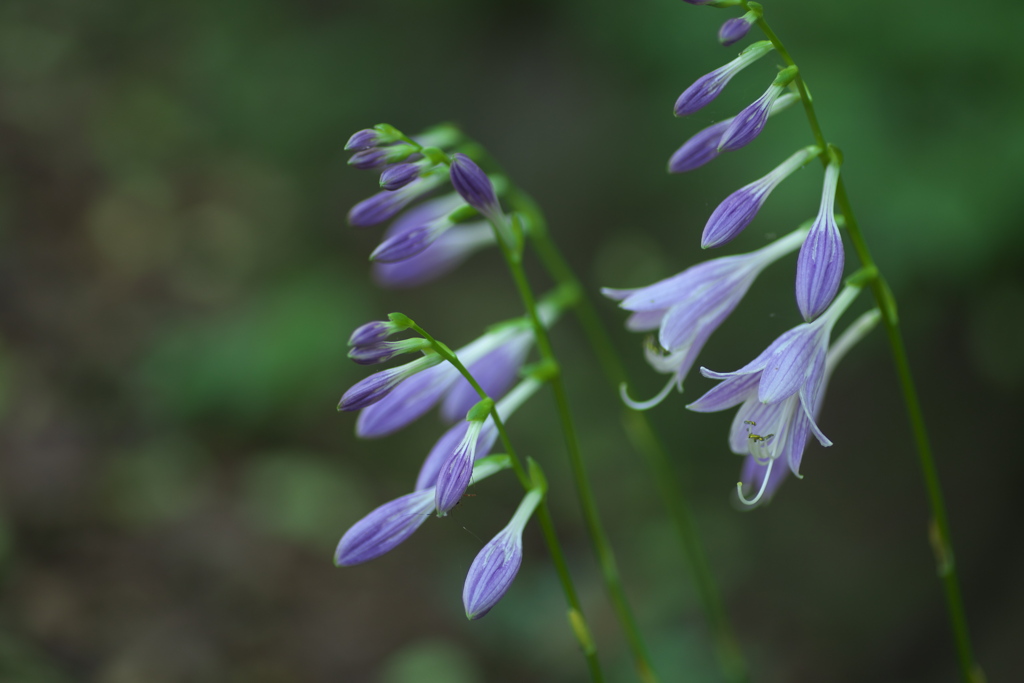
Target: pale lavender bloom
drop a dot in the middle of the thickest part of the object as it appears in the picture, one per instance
(397, 176)
(411, 399)
(755, 470)
(440, 257)
(392, 523)
(703, 146)
(778, 391)
(688, 307)
(749, 123)
(386, 204)
(379, 385)
(734, 30)
(819, 268)
(738, 209)
(709, 86)
(498, 562)
(453, 475)
(474, 186)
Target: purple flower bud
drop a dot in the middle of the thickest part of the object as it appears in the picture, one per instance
(386, 350)
(700, 2)
(377, 157)
(496, 565)
(749, 123)
(708, 87)
(738, 209)
(474, 186)
(363, 139)
(398, 176)
(453, 479)
(372, 333)
(733, 30)
(409, 243)
(384, 205)
(819, 267)
(384, 528)
(703, 147)
(378, 385)
(440, 257)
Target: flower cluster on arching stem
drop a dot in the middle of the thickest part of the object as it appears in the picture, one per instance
(780, 392)
(432, 230)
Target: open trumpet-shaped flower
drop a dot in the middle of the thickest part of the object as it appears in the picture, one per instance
(496, 565)
(688, 307)
(395, 521)
(777, 393)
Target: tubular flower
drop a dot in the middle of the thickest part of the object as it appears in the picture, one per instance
(819, 268)
(496, 565)
(777, 393)
(749, 123)
(686, 308)
(709, 86)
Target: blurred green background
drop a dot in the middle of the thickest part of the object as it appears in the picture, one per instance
(177, 283)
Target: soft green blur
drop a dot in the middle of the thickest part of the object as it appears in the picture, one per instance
(178, 283)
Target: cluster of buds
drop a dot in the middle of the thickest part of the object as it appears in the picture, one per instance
(779, 392)
(423, 242)
(431, 238)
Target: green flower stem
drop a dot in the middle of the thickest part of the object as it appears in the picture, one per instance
(641, 433)
(602, 547)
(543, 513)
(940, 536)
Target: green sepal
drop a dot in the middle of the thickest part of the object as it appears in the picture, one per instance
(389, 133)
(543, 370)
(835, 155)
(537, 479)
(436, 155)
(463, 214)
(786, 76)
(480, 411)
(402, 321)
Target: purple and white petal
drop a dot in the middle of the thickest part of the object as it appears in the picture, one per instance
(384, 528)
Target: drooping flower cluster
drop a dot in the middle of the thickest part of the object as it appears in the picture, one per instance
(779, 392)
(431, 238)
(421, 243)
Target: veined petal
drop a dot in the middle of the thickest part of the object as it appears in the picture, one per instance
(384, 528)
(734, 390)
(407, 403)
(819, 267)
(439, 257)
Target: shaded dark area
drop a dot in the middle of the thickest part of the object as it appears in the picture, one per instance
(177, 283)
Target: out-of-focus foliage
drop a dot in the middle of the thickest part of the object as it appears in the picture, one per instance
(177, 284)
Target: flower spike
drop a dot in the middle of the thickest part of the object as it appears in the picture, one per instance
(708, 87)
(819, 268)
(739, 208)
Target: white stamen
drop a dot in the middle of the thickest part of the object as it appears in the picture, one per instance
(649, 403)
(764, 485)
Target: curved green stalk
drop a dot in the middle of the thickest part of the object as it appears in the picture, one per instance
(939, 533)
(645, 439)
(543, 516)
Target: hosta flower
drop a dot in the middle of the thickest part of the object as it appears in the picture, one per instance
(709, 86)
(387, 203)
(735, 29)
(450, 468)
(777, 393)
(819, 268)
(703, 146)
(760, 478)
(749, 123)
(496, 565)
(394, 521)
(738, 209)
(442, 256)
(475, 187)
(686, 308)
(375, 388)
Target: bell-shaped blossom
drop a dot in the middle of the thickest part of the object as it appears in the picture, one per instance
(758, 476)
(686, 308)
(738, 209)
(749, 123)
(496, 565)
(735, 29)
(450, 469)
(819, 268)
(373, 389)
(387, 204)
(394, 521)
(703, 146)
(413, 398)
(777, 392)
(709, 86)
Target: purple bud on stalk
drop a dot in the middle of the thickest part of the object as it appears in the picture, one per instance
(398, 176)
(474, 186)
(734, 30)
(363, 139)
(368, 391)
(385, 350)
(749, 123)
(819, 267)
(703, 146)
(440, 257)
(373, 333)
(386, 204)
(738, 209)
(496, 565)
(700, 2)
(453, 479)
(708, 87)
(407, 244)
